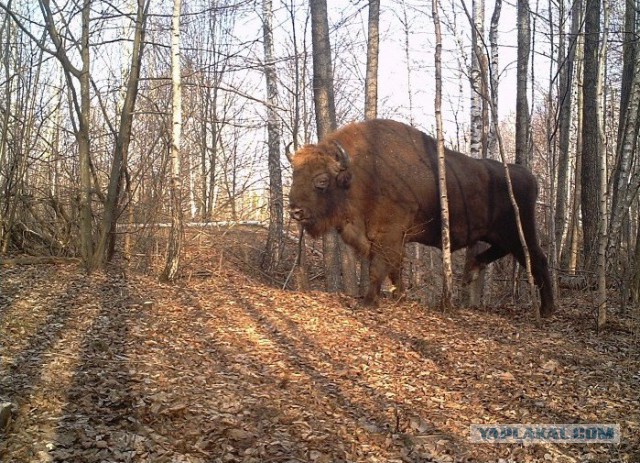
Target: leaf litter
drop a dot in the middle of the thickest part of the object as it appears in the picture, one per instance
(116, 367)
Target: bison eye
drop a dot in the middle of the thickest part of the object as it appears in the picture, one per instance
(321, 182)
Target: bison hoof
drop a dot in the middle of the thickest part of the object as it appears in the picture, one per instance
(547, 311)
(370, 302)
(398, 294)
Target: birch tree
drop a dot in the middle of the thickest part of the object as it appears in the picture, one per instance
(176, 234)
(478, 132)
(602, 155)
(523, 133)
(494, 75)
(447, 274)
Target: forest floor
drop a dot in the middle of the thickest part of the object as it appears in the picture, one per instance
(221, 367)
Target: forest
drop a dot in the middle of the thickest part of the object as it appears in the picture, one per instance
(158, 303)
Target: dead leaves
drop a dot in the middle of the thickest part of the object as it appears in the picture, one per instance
(224, 370)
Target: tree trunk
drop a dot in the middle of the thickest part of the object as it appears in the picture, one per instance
(301, 272)
(574, 253)
(479, 80)
(523, 141)
(84, 146)
(635, 282)
(494, 73)
(107, 234)
(273, 252)
(630, 48)
(373, 41)
(447, 274)
(565, 93)
(371, 100)
(326, 122)
(627, 141)
(591, 140)
(602, 168)
(176, 234)
(407, 50)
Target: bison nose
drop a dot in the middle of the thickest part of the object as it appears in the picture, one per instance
(296, 213)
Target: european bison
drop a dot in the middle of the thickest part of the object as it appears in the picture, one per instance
(376, 183)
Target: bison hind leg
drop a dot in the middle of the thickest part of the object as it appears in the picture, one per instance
(398, 291)
(541, 277)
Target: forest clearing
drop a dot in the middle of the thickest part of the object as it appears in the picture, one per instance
(221, 367)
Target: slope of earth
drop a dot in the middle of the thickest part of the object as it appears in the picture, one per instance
(117, 367)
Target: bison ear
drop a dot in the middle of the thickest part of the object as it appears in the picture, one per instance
(343, 179)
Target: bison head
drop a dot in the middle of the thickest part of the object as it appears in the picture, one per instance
(321, 178)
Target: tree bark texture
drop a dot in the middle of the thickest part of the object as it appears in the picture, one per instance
(565, 97)
(447, 273)
(107, 235)
(273, 252)
(325, 111)
(627, 136)
(176, 233)
(591, 138)
(523, 129)
(494, 73)
(373, 47)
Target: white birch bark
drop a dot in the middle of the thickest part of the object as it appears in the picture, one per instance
(447, 274)
(174, 250)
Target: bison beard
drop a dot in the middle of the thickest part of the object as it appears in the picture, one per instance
(376, 183)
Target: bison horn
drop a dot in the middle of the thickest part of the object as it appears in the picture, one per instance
(343, 157)
(288, 152)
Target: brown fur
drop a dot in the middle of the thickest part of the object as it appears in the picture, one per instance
(387, 195)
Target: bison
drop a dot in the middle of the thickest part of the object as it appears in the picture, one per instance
(376, 183)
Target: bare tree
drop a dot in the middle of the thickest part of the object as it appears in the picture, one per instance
(106, 237)
(176, 234)
(373, 49)
(494, 74)
(371, 98)
(477, 79)
(523, 124)
(478, 133)
(602, 155)
(565, 97)
(576, 205)
(591, 134)
(273, 252)
(326, 121)
(627, 133)
(447, 273)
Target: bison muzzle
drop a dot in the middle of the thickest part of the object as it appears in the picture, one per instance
(376, 183)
